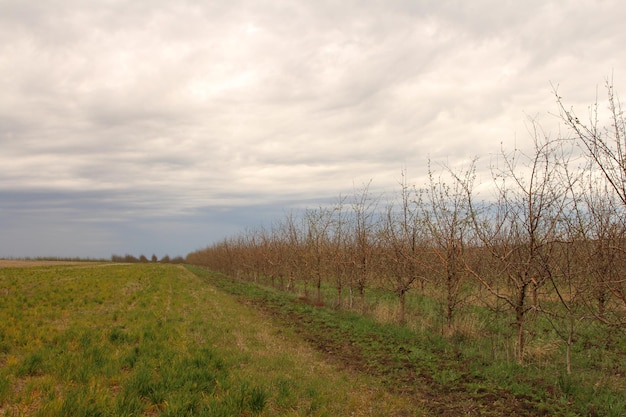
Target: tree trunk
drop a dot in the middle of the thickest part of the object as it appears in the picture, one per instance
(319, 290)
(362, 296)
(290, 286)
(402, 297)
(520, 340)
(350, 298)
(570, 341)
(519, 321)
(450, 299)
(535, 295)
(339, 288)
(601, 303)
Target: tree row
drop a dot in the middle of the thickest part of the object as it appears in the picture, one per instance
(545, 237)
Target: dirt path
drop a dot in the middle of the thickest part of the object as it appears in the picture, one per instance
(465, 394)
(421, 369)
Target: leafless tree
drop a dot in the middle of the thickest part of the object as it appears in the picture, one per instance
(404, 246)
(318, 224)
(518, 228)
(292, 249)
(362, 246)
(602, 234)
(446, 215)
(567, 286)
(605, 144)
(338, 246)
(603, 141)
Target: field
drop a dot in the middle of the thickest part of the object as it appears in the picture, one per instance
(152, 339)
(16, 263)
(89, 339)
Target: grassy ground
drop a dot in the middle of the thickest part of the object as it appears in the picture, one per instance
(446, 375)
(102, 339)
(150, 339)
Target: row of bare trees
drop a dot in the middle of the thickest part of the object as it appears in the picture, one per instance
(549, 239)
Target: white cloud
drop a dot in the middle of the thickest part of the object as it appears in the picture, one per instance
(175, 106)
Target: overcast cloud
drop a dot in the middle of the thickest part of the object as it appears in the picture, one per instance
(163, 126)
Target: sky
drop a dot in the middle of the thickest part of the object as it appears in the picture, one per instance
(161, 127)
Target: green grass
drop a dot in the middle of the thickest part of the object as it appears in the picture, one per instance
(158, 339)
(155, 339)
(465, 371)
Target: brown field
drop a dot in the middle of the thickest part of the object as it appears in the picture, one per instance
(19, 263)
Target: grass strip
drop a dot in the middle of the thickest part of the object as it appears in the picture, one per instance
(432, 371)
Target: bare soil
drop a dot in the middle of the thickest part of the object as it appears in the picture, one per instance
(18, 263)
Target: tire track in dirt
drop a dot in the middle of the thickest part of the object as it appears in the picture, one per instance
(399, 374)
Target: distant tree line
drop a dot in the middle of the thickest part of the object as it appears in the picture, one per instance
(548, 241)
(143, 259)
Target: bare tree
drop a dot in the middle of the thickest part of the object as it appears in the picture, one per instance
(292, 249)
(520, 225)
(362, 246)
(603, 236)
(446, 214)
(404, 245)
(318, 223)
(338, 246)
(605, 145)
(567, 272)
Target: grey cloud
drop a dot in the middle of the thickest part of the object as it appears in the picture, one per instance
(161, 109)
(97, 224)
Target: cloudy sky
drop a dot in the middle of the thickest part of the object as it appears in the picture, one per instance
(154, 126)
